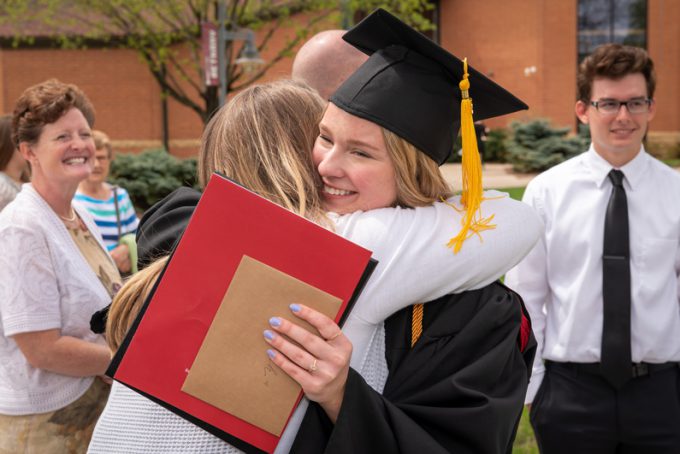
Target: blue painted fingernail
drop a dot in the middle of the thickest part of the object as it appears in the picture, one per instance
(268, 334)
(271, 354)
(295, 307)
(275, 321)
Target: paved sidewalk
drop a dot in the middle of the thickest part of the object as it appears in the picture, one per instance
(494, 176)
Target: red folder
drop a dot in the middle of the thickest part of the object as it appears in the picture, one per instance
(228, 223)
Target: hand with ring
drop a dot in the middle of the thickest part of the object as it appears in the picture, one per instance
(320, 363)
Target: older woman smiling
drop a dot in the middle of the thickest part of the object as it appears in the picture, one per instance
(56, 272)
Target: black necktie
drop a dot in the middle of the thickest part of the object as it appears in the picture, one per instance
(615, 356)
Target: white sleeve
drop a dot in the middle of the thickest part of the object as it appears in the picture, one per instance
(677, 273)
(530, 279)
(29, 296)
(415, 265)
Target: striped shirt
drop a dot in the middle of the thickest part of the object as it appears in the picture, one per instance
(104, 214)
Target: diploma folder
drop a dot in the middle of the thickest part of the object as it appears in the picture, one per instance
(196, 348)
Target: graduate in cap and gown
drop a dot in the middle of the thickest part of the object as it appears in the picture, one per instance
(458, 366)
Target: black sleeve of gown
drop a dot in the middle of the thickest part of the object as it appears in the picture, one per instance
(163, 224)
(460, 389)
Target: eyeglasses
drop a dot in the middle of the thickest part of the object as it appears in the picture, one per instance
(612, 106)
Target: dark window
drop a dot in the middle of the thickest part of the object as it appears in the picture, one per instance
(611, 21)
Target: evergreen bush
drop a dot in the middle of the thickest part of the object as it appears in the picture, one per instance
(151, 175)
(535, 146)
(495, 149)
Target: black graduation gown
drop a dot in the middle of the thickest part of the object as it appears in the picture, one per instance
(163, 224)
(460, 389)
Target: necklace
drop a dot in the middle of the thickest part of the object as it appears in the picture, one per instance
(72, 218)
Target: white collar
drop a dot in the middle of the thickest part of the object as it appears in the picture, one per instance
(634, 170)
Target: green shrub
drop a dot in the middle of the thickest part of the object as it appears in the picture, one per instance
(584, 132)
(495, 149)
(151, 175)
(536, 146)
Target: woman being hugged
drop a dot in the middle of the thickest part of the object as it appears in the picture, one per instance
(55, 273)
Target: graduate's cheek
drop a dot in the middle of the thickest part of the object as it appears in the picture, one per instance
(376, 184)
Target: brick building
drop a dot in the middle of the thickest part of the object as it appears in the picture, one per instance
(529, 46)
(532, 47)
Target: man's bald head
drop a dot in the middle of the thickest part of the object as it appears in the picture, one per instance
(326, 61)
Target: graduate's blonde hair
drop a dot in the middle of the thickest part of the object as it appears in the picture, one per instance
(419, 180)
(128, 301)
(262, 138)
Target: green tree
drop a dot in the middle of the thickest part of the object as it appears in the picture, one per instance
(166, 34)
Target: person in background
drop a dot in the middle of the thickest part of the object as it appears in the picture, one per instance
(13, 166)
(55, 273)
(325, 61)
(602, 283)
(110, 207)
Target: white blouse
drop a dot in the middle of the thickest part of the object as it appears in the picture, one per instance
(46, 284)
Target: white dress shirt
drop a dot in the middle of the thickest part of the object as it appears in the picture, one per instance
(561, 278)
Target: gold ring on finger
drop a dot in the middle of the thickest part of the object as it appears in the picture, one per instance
(334, 336)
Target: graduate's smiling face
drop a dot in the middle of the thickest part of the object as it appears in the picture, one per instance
(355, 167)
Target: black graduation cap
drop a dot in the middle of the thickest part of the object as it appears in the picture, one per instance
(409, 85)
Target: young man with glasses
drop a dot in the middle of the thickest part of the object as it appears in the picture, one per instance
(602, 284)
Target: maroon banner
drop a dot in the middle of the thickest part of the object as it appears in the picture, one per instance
(210, 57)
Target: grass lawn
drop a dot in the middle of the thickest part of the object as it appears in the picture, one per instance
(515, 193)
(525, 442)
(673, 162)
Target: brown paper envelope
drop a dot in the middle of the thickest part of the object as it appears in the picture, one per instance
(232, 370)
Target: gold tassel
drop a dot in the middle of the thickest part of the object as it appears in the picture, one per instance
(417, 323)
(471, 198)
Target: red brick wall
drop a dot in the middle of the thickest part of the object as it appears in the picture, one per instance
(125, 95)
(501, 38)
(664, 47)
(559, 61)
